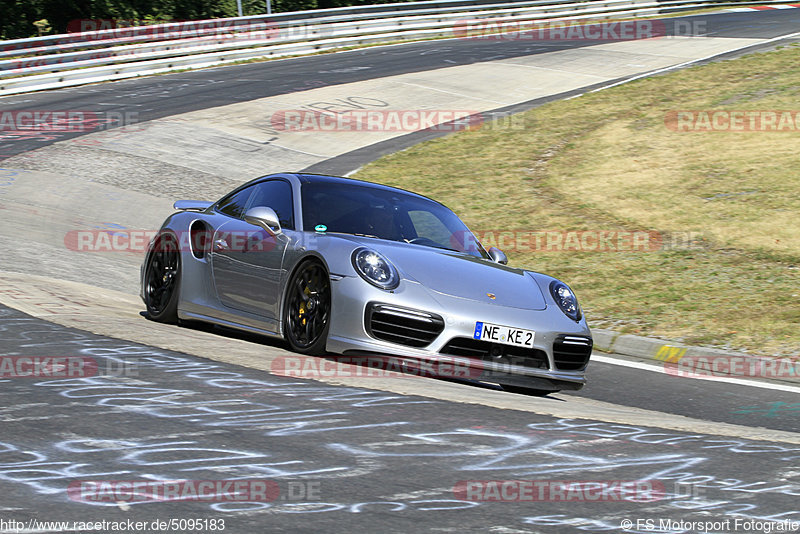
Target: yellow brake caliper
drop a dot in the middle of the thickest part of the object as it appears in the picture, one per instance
(302, 310)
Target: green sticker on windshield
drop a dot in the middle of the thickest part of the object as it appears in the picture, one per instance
(320, 228)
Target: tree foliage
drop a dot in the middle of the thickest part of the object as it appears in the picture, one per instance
(17, 17)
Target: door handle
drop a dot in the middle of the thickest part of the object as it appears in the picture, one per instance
(220, 245)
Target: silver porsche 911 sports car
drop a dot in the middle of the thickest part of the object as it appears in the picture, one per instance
(336, 265)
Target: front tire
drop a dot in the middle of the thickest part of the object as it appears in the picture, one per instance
(162, 280)
(307, 312)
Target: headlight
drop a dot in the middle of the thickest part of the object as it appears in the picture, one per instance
(565, 299)
(375, 269)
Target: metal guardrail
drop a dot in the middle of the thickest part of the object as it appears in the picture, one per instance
(50, 62)
(179, 30)
(196, 39)
(319, 15)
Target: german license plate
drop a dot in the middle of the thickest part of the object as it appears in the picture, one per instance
(504, 334)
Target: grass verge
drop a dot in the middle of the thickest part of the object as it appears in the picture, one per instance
(608, 162)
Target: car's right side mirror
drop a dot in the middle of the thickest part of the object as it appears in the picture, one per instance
(498, 256)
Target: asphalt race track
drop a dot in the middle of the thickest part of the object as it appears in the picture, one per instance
(369, 460)
(359, 453)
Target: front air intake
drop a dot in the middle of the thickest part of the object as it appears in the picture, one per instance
(571, 353)
(404, 326)
(495, 352)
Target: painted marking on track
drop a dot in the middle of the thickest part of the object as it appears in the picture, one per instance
(730, 380)
(670, 354)
(688, 63)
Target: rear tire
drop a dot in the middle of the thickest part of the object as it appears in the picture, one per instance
(307, 311)
(162, 280)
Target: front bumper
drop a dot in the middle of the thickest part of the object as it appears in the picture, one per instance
(536, 368)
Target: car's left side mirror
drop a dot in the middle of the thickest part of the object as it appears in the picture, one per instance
(498, 256)
(264, 217)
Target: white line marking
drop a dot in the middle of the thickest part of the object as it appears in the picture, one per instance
(454, 93)
(687, 63)
(301, 151)
(660, 369)
(561, 71)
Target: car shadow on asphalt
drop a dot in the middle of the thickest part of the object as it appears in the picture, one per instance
(370, 362)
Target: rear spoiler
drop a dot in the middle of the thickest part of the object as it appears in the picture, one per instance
(192, 205)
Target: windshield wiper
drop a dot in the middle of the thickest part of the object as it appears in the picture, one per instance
(444, 248)
(366, 235)
(355, 234)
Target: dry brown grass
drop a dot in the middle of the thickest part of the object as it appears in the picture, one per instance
(606, 161)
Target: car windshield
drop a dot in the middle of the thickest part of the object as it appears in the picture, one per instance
(385, 214)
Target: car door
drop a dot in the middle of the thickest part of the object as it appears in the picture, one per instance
(247, 260)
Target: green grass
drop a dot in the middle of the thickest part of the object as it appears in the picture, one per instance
(606, 161)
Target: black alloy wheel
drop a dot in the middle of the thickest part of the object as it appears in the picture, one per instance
(162, 280)
(308, 309)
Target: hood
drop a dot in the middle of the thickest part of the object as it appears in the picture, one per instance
(460, 275)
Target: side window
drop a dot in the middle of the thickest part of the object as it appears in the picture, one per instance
(275, 194)
(234, 205)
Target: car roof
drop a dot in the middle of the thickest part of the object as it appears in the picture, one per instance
(304, 178)
(322, 178)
